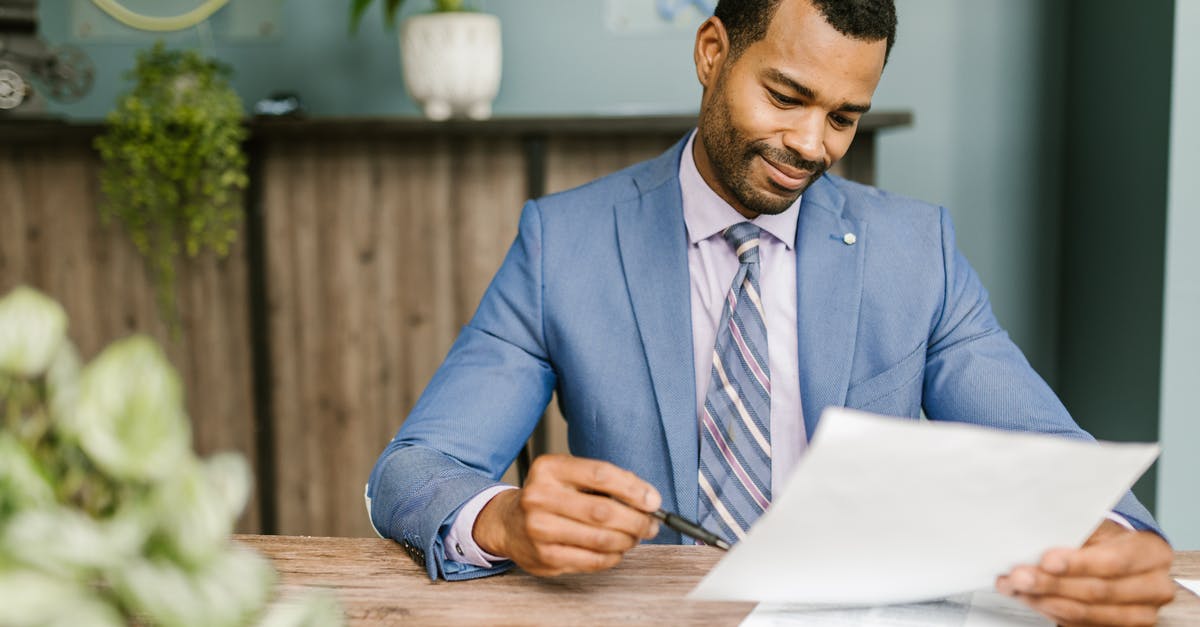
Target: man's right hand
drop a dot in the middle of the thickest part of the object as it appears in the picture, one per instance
(559, 524)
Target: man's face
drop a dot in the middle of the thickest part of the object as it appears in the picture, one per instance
(775, 118)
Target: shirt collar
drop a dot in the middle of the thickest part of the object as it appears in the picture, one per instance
(706, 214)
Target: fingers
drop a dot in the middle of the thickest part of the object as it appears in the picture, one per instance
(1115, 556)
(603, 477)
(1117, 579)
(565, 521)
(590, 510)
(547, 528)
(1071, 612)
(1154, 587)
(557, 544)
(551, 560)
(574, 488)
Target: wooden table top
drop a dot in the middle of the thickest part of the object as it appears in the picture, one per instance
(378, 584)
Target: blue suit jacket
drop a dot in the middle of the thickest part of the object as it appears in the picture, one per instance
(593, 300)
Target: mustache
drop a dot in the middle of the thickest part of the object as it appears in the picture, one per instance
(789, 158)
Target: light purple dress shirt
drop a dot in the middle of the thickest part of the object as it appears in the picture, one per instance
(712, 264)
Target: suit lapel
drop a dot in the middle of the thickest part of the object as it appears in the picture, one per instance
(652, 239)
(829, 279)
(653, 245)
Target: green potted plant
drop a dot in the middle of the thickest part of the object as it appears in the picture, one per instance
(391, 8)
(451, 57)
(173, 166)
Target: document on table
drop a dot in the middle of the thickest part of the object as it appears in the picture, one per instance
(1192, 585)
(886, 510)
(978, 609)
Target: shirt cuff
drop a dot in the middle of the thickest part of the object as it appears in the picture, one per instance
(460, 542)
(1120, 520)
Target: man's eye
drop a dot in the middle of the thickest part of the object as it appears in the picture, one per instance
(782, 99)
(841, 121)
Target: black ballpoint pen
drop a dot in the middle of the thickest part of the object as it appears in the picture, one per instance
(678, 523)
(689, 528)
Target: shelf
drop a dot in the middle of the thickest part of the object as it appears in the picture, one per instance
(13, 129)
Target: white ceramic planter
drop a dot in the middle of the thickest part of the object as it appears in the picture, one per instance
(452, 63)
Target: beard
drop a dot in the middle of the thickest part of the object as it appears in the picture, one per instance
(732, 154)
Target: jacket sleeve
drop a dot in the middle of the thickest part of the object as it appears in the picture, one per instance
(975, 373)
(473, 417)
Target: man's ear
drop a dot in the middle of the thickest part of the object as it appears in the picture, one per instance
(712, 50)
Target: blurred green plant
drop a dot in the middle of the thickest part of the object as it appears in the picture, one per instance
(391, 8)
(173, 166)
(107, 517)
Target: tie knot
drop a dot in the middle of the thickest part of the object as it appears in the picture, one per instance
(743, 237)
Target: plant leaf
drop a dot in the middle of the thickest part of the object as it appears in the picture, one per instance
(356, 12)
(391, 8)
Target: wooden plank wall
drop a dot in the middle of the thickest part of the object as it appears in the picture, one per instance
(377, 253)
(51, 238)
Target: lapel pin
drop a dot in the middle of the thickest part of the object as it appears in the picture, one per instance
(849, 239)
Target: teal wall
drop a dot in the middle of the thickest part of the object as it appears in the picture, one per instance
(1179, 470)
(560, 57)
(1118, 92)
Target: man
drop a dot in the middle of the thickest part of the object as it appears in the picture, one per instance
(697, 312)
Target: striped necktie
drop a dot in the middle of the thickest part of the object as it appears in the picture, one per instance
(735, 423)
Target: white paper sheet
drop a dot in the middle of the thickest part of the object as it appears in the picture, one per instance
(886, 510)
(982, 608)
(1193, 585)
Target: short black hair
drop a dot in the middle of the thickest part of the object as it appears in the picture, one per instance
(746, 21)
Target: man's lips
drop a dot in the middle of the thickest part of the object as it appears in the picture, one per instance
(786, 176)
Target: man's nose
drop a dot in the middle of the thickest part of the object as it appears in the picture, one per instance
(805, 136)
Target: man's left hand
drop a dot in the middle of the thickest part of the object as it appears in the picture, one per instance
(1118, 577)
